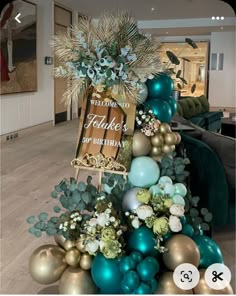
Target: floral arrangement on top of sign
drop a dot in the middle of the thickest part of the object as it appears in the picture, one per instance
(124, 238)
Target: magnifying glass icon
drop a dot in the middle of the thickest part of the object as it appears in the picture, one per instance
(186, 276)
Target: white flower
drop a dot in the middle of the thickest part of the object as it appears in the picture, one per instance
(103, 219)
(144, 212)
(112, 219)
(175, 224)
(72, 226)
(92, 222)
(135, 223)
(119, 232)
(177, 210)
(60, 226)
(92, 246)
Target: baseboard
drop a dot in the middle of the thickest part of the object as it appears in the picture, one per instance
(223, 109)
(9, 137)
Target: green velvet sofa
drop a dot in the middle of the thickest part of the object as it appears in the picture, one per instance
(196, 109)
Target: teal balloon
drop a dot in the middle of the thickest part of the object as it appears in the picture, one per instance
(126, 264)
(143, 289)
(142, 240)
(136, 256)
(148, 268)
(161, 109)
(178, 199)
(144, 172)
(130, 282)
(180, 189)
(183, 220)
(173, 104)
(155, 189)
(153, 285)
(167, 236)
(161, 86)
(210, 252)
(106, 274)
(187, 230)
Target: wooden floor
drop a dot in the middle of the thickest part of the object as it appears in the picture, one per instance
(30, 168)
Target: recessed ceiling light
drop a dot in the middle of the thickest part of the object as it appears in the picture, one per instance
(222, 28)
(213, 18)
(222, 18)
(152, 9)
(217, 17)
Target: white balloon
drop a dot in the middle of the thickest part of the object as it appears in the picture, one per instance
(178, 200)
(165, 179)
(130, 201)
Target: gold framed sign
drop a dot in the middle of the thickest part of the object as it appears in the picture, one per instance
(105, 135)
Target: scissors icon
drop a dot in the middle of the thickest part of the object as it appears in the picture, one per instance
(217, 276)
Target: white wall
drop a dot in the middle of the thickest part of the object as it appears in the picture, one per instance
(19, 111)
(222, 83)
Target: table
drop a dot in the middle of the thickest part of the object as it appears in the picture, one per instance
(228, 126)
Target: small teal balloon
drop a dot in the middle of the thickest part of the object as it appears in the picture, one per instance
(167, 236)
(136, 256)
(126, 264)
(169, 189)
(106, 274)
(160, 86)
(147, 268)
(183, 220)
(155, 189)
(144, 172)
(187, 230)
(180, 189)
(161, 109)
(143, 289)
(178, 200)
(210, 252)
(153, 285)
(165, 179)
(173, 104)
(142, 240)
(130, 282)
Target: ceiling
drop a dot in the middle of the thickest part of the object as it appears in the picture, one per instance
(154, 9)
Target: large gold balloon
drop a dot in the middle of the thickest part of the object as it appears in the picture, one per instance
(203, 288)
(47, 264)
(165, 128)
(86, 261)
(60, 240)
(168, 149)
(166, 285)
(181, 249)
(170, 138)
(141, 144)
(68, 244)
(76, 281)
(156, 151)
(157, 140)
(73, 257)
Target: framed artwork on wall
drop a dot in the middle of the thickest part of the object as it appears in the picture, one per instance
(18, 47)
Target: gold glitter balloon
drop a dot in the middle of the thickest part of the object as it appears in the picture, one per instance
(141, 144)
(181, 249)
(165, 128)
(178, 138)
(68, 244)
(86, 261)
(47, 264)
(203, 288)
(80, 245)
(76, 281)
(170, 138)
(168, 149)
(72, 257)
(166, 285)
(157, 140)
(156, 151)
(60, 240)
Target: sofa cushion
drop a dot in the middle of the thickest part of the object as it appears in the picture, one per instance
(224, 147)
(212, 116)
(205, 104)
(188, 108)
(198, 120)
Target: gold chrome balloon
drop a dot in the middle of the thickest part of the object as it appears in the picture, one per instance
(157, 140)
(166, 285)
(72, 257)
(170, 138)
(141, 144)
(164, 128)
(181, 249)
(178, 137)
(46, 264)
(168, 149)
(80, 245)
(60, 240)
(68, 244)
(203, 288)
(76, 281)
(86, 261)
(156, 151)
